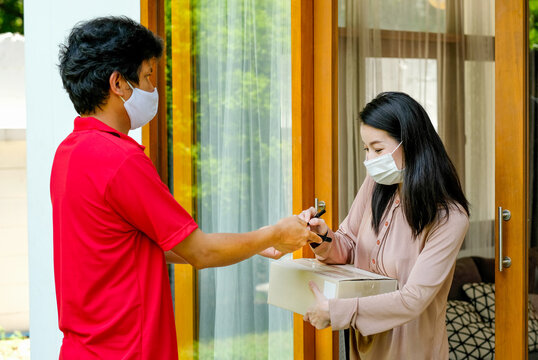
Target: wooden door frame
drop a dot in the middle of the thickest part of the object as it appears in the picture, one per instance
(185, 275)
(314, 44)
(155, 133)
(155, 138)
(511, 175)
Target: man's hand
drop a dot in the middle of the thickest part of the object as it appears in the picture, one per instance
(317, 225)
(318, 315)
(292, 234)
(271, 253)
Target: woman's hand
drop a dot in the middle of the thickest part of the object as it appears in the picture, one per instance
(318, 315)
(271, 253)
(316, 225)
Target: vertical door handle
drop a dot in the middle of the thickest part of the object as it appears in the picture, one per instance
(504, 215)
(319, 205)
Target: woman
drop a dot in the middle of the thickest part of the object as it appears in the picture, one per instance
(407, 222)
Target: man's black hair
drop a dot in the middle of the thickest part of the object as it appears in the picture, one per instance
(98, 47)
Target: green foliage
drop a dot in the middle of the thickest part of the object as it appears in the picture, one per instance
(238, 100)
(533, 24)
(11, 18)
(15, 335)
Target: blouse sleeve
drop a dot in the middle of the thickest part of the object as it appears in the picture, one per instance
(342, 249)
(379, 313)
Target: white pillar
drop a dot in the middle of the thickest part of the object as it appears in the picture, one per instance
(50, 117)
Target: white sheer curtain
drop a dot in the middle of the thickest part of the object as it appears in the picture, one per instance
(243, 134)
(441, 53)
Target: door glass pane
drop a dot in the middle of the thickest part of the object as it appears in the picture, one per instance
(453, 78)
(416, 77)
(402, 15)
(243, 166)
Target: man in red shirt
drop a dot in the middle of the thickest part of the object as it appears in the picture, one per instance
(115, 222)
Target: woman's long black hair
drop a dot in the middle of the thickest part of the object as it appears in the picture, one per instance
(430, 179)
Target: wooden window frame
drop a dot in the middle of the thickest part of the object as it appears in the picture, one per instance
(154, 134)
(155, 138)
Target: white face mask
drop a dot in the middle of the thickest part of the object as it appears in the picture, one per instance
(383, 169)
(141, 106)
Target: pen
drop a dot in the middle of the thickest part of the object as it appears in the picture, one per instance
(318, 215)
(323, 237)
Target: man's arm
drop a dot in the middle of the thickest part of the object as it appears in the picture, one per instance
(173, 258)
(210, 250)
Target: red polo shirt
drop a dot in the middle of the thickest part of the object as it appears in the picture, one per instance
(113, 218)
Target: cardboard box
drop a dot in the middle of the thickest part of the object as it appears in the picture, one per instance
(288, 283)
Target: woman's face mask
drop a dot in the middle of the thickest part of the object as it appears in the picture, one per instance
(141, 106)
(383, 169)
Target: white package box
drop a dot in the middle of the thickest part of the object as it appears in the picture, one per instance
(288, 283)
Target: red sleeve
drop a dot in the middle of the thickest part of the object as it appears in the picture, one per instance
(137, 194)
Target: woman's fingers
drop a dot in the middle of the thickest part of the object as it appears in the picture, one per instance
(319, 226)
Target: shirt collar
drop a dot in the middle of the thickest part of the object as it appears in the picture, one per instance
(91, 123)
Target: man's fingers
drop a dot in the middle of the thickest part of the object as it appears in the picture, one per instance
(302, 221)
(316, 291)
(306, 317)
(313, 237)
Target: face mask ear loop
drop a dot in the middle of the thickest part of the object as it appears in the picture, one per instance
(131, 86)
(396, 148)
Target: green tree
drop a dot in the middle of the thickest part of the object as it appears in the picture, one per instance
(533, 24)
(11, 18)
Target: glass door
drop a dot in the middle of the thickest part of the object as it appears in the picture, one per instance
(465, 63)
(242, 166)
(232, 167)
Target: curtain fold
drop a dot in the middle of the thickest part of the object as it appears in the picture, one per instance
(243, 162)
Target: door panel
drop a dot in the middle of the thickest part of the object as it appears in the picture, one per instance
(511, 176)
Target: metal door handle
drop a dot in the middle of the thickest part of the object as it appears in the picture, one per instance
(319, 205)
(504, 215)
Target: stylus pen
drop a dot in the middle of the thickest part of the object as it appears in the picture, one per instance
(323, 237)
(321, 212)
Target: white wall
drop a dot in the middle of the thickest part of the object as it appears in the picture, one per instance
(50, 117)
(12, 100)
(14, 309)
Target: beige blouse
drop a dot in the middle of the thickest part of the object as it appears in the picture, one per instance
(408, 323)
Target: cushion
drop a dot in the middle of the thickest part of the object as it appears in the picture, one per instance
(465, 272)
(482, 297)
(468, 336)
(533, 327)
